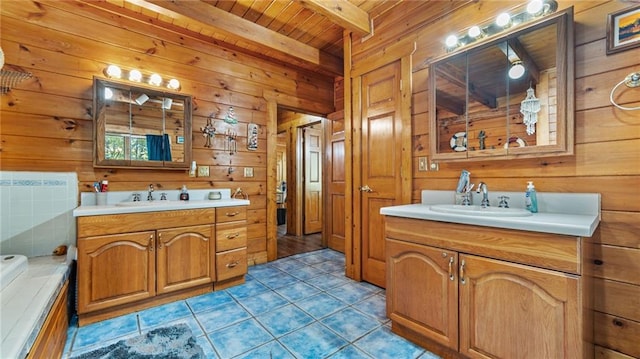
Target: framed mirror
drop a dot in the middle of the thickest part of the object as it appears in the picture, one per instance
(140, 127)
(508, 97)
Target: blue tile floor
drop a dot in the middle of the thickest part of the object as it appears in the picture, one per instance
(296, 307)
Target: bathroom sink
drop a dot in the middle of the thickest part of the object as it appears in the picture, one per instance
(145, 203)
(479, 211)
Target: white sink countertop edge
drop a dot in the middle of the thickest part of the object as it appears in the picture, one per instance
(576, 214)
(198, 199)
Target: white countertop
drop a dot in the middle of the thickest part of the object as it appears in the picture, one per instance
(25, 303)
(569, 214)
(120, 202)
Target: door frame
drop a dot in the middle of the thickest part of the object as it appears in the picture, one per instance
(274, 100)
(401, 51)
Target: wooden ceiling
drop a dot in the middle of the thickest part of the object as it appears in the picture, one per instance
(303, 33)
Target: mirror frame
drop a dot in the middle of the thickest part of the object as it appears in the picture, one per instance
(99, 122)
(565, 86)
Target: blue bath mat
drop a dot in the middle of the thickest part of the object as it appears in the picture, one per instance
(175, 342)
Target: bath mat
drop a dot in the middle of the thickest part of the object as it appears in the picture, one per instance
(175, 342)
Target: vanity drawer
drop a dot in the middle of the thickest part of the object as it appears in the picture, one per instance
(230, 214)
(231, 236)
(231, 264)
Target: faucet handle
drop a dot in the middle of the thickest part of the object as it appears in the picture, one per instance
(503, 202)
(136, 197)
(163, 196)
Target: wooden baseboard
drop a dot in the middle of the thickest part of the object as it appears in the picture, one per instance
(436, 348)
(228, 283)
(256, 258)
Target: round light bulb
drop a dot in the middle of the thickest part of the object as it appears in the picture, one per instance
(113, 71)
(108, 94)
(516, 71)
(451, 41)
(135, 75)
(503, 19)
(173, 84)
(474, 31)
(155, 79)
(534, 6)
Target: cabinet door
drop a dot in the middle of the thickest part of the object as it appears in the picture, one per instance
(509, 310)
(231, 235)
(186, 257)
(115, 269)
(422, 290)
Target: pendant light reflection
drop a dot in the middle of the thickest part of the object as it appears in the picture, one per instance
(517, 70)
(140, 100)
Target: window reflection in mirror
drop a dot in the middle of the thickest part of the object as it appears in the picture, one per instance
(484, 106)
(140, 127)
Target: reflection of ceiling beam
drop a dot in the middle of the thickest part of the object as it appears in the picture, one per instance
(342, 13)
(457, 77)
(450, 103)
(514, 51)
(232, 25)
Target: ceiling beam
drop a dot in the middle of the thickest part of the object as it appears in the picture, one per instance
(231, 25)
(343, 13)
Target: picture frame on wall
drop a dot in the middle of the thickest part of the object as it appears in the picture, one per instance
(623, 30)
(252, 136)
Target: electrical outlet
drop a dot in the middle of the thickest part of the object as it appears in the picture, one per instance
(248, 171)
(203, 171)
(434, 166)
(422, 164)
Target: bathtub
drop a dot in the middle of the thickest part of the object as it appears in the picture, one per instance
(11, 266)
(29, 288)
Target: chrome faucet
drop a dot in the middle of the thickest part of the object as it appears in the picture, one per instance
(150, 193)
(485, 194)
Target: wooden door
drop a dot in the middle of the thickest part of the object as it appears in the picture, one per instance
(115, 269)
(509, 310)
(422, 290)
(312, 180)
(381, 160)
(335, 177)
(185, 257)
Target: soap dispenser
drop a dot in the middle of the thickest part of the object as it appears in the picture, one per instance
(531, 198)
(184, 195)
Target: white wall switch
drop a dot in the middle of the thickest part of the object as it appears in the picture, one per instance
(203, 171)
(248, 171)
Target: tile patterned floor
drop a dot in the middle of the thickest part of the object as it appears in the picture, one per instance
(296, 307)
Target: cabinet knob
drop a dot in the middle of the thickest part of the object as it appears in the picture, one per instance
(232, 214)
(233, 264)
(232, 236)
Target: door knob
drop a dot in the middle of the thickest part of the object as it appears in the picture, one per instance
(366, 188)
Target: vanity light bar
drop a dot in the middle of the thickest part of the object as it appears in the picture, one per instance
(134, 75)
(518, 15)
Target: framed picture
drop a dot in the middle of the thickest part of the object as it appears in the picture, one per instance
(252, 136)
(623, 30)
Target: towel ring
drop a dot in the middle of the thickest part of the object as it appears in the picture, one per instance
(632, 80)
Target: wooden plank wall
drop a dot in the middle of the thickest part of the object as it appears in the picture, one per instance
(607, 151)
(47, 122)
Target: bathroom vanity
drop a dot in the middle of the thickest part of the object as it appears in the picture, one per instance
(136, 255)
(491, 286)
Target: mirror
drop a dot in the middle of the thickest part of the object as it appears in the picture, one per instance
(139, 127)
(506, 98)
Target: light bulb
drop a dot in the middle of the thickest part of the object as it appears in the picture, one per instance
(517, 70)
(474, 31)
(155, 79)
(135, 75)
(451, 41)
(113, 71)
(173, 84)
(503, 19)
(534, 7)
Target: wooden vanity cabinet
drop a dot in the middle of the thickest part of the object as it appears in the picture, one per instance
(128, 262)
(483, 292)
(231, 245)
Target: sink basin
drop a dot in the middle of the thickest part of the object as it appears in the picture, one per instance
(144, 203)
(479, 211)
